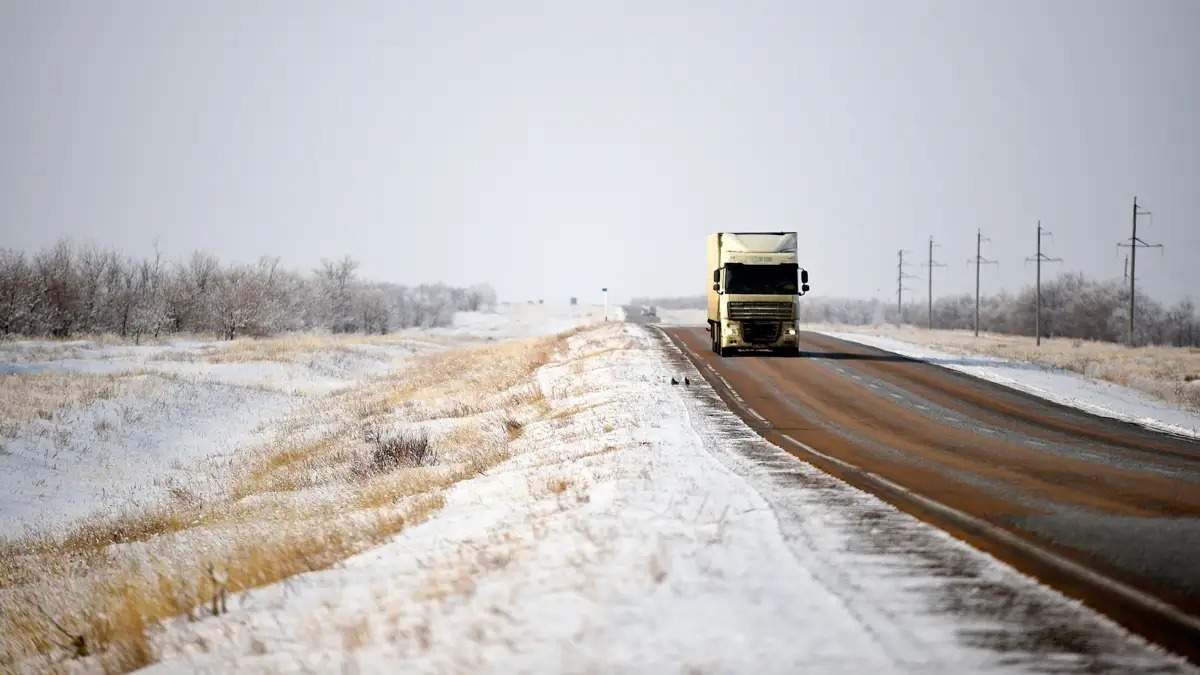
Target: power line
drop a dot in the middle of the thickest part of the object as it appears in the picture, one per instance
(900, 288)
(932, 265)
(1134, 243)
(1039, 259)
(979, 261)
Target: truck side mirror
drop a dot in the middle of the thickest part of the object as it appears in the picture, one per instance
(804, 277)
(717, 287)
(804, 288)
(716, 276)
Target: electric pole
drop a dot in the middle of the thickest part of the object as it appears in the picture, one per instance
(1133, 245)
(1039, 259)
(979, 261)
(900, 277)
(932, 265)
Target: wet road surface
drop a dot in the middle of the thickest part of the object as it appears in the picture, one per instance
(1106, 511)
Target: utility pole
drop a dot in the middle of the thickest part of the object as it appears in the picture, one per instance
(1133, 245)
(605, 289)
(979, 261)
(932, 265)
(1039, 259)
(900, 277)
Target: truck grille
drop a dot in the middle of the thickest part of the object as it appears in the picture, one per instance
(760, 332)
(760, 311)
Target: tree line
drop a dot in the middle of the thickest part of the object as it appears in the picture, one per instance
(1072, 307)
(70, 290)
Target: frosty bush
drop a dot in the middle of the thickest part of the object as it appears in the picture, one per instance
(71, 290)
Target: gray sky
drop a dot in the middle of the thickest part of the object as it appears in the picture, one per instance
(555, 148)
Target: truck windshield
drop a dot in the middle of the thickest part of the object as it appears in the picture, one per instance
(761, 279)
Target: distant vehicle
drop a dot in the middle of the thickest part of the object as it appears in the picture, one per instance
(756, 284)
(649, 311)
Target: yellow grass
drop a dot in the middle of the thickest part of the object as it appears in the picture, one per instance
(303, 501)
(25, 396)
(1169, 373)
(301, 346)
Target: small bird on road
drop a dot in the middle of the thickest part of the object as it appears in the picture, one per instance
(674, 381)
(687, 382)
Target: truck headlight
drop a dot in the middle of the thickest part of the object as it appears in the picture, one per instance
(791, 331)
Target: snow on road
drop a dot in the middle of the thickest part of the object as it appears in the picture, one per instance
(1060, 386)
(641, 527)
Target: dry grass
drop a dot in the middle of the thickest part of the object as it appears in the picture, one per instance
(20, 350)
(1168, 373)
(26, 396)
(298, 347)
(558, 485)
(346, 473)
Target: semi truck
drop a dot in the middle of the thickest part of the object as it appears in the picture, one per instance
(756, 285)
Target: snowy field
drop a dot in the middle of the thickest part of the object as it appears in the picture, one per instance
(568, 510)
(91, 426)
(682, 317)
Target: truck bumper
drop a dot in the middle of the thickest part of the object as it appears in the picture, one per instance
(758, 335)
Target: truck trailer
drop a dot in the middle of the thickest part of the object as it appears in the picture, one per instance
(756, 285)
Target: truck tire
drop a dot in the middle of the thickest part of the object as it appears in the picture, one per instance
(716, 346)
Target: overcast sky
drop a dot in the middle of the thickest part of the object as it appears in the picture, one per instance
(555, 148)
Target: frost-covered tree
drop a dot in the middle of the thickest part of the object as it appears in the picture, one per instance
(336, 279)
(19, 294)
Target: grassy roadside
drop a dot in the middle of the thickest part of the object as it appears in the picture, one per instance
(1171, 374)
(346, 472)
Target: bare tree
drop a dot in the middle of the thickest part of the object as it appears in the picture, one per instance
(66, 289)
(336, 278)
(19, 294)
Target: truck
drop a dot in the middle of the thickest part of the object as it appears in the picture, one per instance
(753, 301)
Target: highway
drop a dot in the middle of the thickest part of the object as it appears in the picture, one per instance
(1106, 511)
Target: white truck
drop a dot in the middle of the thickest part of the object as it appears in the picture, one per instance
(756, 284)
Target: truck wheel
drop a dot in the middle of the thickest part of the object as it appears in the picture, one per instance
(717, 348)
(713, 338)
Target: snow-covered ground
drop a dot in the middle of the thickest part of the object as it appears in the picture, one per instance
(682, 317)
(516, 320)
(117, 454)
(1054, 384)
(640, 527)
(637, 527)
(176, 411)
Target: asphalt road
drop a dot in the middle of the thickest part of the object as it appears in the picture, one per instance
(1107, 511)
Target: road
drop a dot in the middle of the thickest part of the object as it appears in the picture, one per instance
(1106, 511)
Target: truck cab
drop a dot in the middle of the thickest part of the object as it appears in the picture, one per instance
(756, 283)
